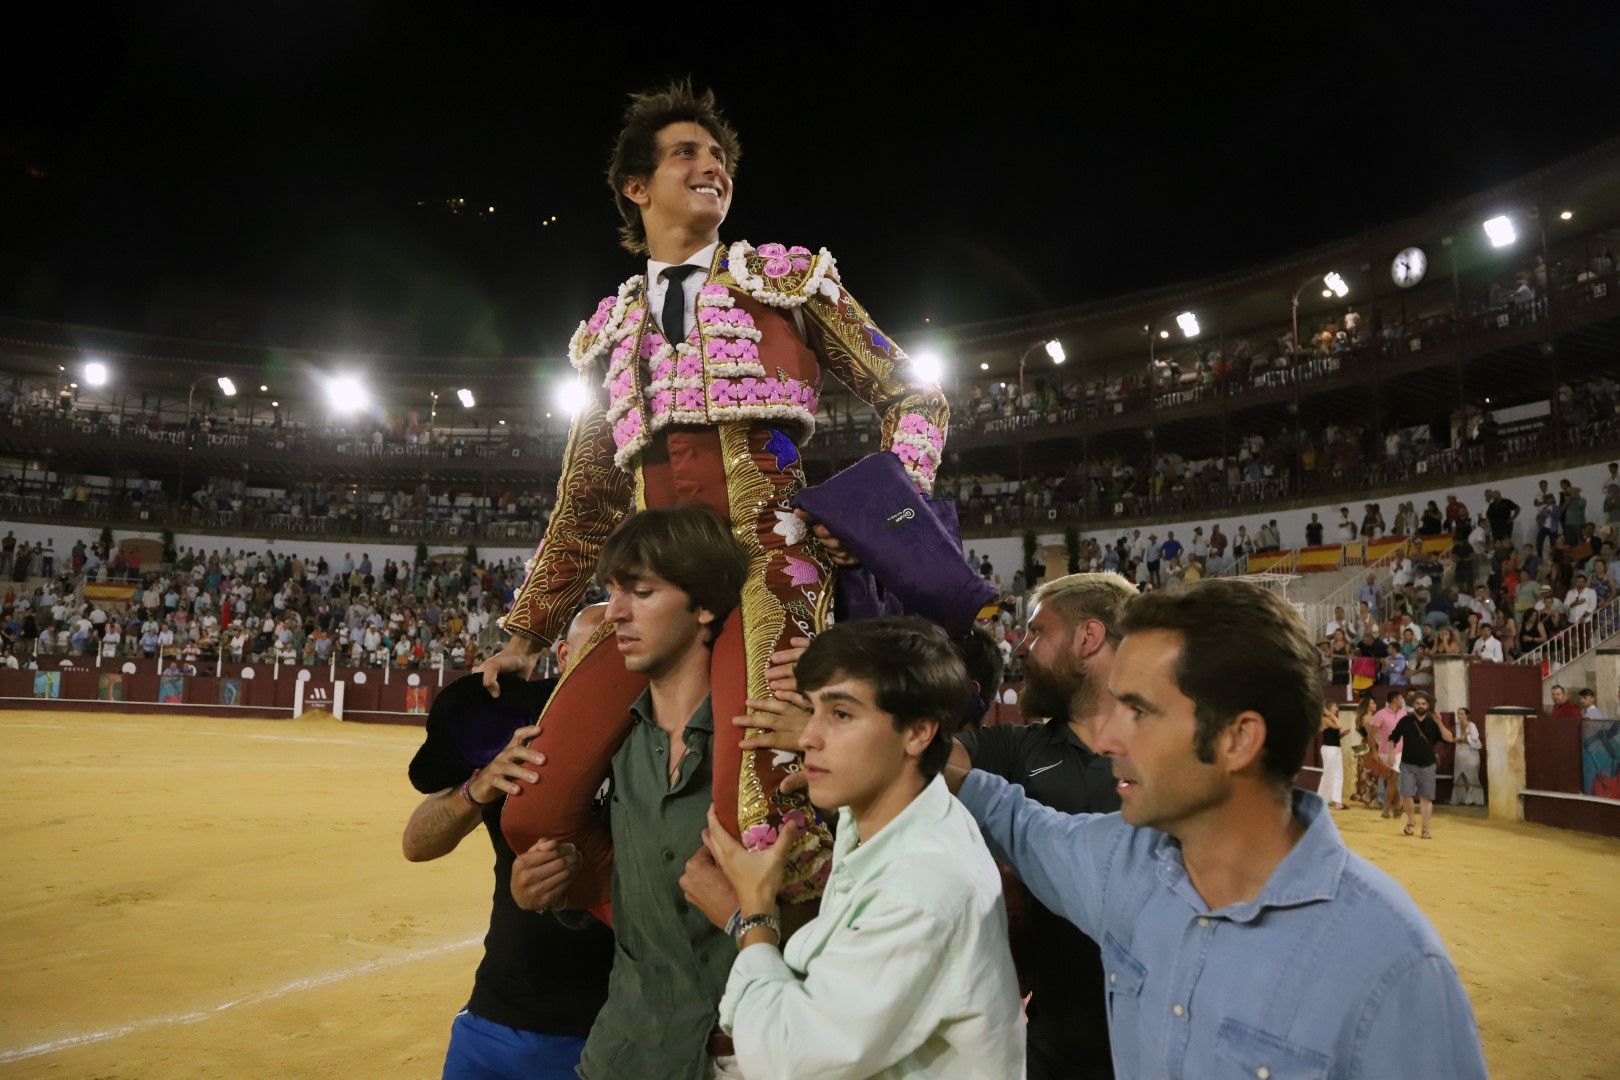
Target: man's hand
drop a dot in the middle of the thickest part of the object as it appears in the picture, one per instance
(705, 887)
(540, 876)
(756, 876)
(834, 546)
(517, 656)
(780, 720)
(779, 676)
(508, 767)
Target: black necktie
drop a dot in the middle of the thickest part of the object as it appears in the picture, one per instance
(674, 320)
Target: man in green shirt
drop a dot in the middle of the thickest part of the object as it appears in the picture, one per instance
(673, 576)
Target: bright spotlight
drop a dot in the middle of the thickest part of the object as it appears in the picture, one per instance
(344, 394)
(466, 397)
(928, 367)
(984, 367)
(1054, 349)
(95, 373)
(1566, 215)
(1163, 334)
(1500, 231)
(572, 397)
(1188, 323)
(263, 389)
(227, 387)
(1335, 284)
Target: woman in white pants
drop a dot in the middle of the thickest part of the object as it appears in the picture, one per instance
(1331, 789)
(1465, 786)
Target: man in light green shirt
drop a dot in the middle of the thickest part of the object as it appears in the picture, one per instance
(906, 972)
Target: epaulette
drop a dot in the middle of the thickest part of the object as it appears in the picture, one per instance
(783, 277)
(601, 329)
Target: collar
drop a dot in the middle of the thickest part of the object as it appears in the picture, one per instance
(702, 719)
(703, 259)
(1310, 873)
(926, 810)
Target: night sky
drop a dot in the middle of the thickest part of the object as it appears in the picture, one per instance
(199, 158)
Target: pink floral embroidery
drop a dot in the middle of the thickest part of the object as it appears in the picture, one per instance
(912, 424)
(758, 837)
(662, 401)
(689, 366)
(627, 429)
(662, 369)
(795, 818)
(623, 349)
(622, 384)
(690, 398)
(801, 571)
(779, 260)
(604, 311)
(712, 289)
(651, 343)
(907, 453)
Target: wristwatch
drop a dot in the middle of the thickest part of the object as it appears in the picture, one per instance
(752, 921)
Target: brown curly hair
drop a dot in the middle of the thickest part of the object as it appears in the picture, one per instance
(635, 151)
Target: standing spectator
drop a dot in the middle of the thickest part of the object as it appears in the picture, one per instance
(1486, 646)
(1562, 707)
(1416, 732)
(1574, 516)
(1381, 726)
(1331, 788)
(1369, 593)
(48, 565)
(1589, 706)
(1465, 786)
(1581, 600)
(1171, 549)
(1313, 532)
(1270, 537)
(1501, 512)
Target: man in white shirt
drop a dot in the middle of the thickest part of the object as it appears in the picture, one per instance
(1581, 600)
(1487, 647)
(906, 970)
(1589, 706)
(1347, 528)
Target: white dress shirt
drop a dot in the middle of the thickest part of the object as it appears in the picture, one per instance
(1488, 649)
(657, 287)
(905, 973)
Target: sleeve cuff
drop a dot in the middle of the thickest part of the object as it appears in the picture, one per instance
(755, 964)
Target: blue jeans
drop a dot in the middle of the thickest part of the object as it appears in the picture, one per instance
(484, 1050)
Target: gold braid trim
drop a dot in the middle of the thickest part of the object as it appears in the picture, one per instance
(593, 496)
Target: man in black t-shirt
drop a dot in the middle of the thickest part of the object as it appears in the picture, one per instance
(1416, 732)
(1067, 654)
(541, 981)
(1313, 532)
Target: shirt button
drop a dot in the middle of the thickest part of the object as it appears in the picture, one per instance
(1179, 1010)
(1262, 1072)
(1113, 978)
(669, 856)
(1202, 922)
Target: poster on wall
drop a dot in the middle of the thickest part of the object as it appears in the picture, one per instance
(110, 687)
(171, 689)
(1600, 758)
(416, 700)
(48, 684)
(230, 691)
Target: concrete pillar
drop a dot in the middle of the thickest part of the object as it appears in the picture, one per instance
(1504, 761)
(1607, 681)
(1450, 683)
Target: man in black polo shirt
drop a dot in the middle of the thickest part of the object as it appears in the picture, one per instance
(542, 981)
(1066, 654)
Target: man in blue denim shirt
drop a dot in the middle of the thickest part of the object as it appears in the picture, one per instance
(1240, 937)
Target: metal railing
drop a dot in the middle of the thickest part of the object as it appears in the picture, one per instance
(1320, 612)
(1569, 645)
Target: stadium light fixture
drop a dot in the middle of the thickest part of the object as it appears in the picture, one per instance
(928, 367)
(226, 387)
(1054, 349)
(1335, 284)
(571, 396)
(1499, 230)
(1188, 323)
(1566, 215)
(95, 373)
(344, 394)
(263, 389)
(984, 367)
(1164, 335)
(466, 397)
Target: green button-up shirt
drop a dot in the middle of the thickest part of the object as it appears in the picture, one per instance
(669, 963)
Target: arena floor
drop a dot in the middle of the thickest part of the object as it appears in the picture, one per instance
(198, 897)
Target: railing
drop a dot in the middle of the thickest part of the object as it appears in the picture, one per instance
(349, 522)
(1580, 638)
(1319, 613)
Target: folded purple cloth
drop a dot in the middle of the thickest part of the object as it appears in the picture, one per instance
(882, 519)
(466, 727)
